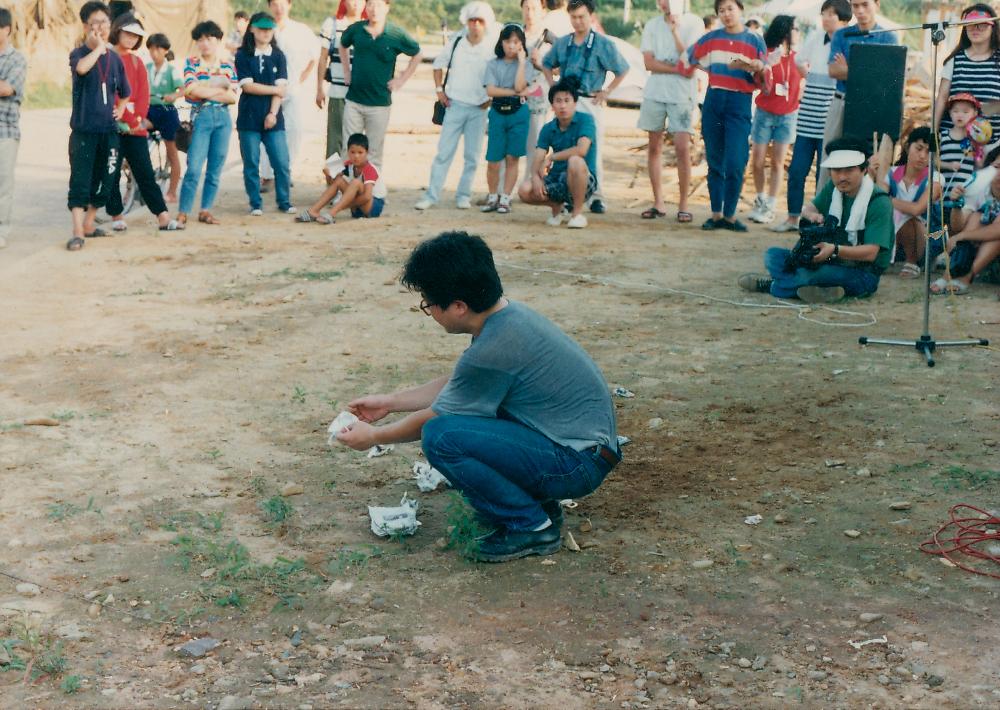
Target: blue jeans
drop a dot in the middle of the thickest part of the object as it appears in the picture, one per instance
(463, 121)
(209, 142)
(805, 151)
(277, 153)
(725, 127)
(856, 281)
(506, 470)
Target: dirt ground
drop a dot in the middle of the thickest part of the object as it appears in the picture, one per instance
(192, 377)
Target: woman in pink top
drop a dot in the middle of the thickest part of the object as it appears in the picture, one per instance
(774, 120)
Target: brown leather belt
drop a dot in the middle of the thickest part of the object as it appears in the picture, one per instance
(607, 454)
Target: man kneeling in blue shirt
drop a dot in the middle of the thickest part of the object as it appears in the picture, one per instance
(567, 176)
(524, 420)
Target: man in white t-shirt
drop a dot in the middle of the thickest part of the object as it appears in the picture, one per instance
(301, 48)
(668, 98)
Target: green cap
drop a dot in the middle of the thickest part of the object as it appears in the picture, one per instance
(264, 22)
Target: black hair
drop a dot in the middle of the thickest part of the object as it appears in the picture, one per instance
(567, 84)
(779, 31)
(709, 20)
(116, 28)
(207, 28)
(6, 19)
(89, 8)
(577, 4)
(992, 156)
(454, 266)
(739, 4)
(920, 133)
(158, 39)
(554, 4)
(841, 7)
(851, 143)
(249, 42)
(241, 15)
(358, 139)
(964, 42)
(505, 34)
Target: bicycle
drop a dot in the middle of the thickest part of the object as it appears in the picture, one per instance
(161, 169)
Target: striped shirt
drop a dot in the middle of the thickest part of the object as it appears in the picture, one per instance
(195, 70)
(13, 69)
(959, 152)
(330, 33)
(981, 79)
(714, 50)
(813, 108)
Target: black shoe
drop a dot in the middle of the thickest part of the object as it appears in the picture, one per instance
(554, 511)
(505, 545)
(710, 225)
(597, 207)
(734, 226)
(758, 283)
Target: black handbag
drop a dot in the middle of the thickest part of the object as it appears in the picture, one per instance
(961, 258)
(183, 137)
(437, 118)
(507, 105)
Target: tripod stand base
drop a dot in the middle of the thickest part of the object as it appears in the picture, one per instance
(924, 344)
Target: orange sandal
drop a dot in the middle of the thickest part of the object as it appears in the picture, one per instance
(205, 217)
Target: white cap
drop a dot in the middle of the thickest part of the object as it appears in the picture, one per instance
(477, 10)
(134, 28)
(844, 159)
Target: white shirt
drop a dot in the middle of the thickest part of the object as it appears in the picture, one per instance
(908, 193)
(658, 38)
(467, 78)
(557, 22)
(978, 190)
(816, 53)
(300, 45)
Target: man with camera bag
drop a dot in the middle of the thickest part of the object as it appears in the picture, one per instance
(846, 235)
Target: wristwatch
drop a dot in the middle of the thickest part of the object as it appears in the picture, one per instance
(836, 252)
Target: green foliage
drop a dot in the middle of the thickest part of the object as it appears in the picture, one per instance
(60, 511)
(357, 560)
(308, 275)
(960, 478)
(70, 684)
(464, 530)
(276, 510)
(46, 94)
(299, 395)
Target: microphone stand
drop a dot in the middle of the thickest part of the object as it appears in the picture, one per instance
(926, 344)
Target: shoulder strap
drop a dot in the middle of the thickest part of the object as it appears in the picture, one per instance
(451, 57)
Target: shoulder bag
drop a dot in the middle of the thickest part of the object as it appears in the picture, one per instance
(439, 108)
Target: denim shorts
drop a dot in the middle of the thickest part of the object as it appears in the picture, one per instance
(557, 188)
(378, 204)
(507, 134)
(768, 127)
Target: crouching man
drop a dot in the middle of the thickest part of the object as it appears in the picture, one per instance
(566, 177)
(524, 419)
(851, 260)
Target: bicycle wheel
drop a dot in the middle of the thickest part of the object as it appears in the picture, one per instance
(129, 188)
(158, 158)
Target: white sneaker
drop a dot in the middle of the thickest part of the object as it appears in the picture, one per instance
(555, 220)
(578, 222)
(291, 210)
(257, 212)
(424, 204)
(119, 225)
(785, 226)
(463, 203)
(766, 214)
(759, 207)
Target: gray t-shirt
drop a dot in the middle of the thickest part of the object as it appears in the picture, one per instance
(522, 367)
(501, 73)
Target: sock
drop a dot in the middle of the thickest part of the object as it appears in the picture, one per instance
(771, 199)
(543, 526)
(492, 197)
(761, 197)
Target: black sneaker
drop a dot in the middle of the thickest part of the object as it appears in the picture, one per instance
(597, 207)
(505, 545)
(756, 283)
(734, 226)
(554, 511)
(710, 224)
(820, 294)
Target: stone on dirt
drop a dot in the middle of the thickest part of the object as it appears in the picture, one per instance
(196, 648)
(702, 564)
(365, 642)
(852, 533)
(26, 589)
(868, 617)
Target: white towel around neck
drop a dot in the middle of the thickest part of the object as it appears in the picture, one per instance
(856, 220)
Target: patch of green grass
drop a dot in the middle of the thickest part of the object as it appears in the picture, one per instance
(64, 415)
(734, 554)
(70, 684)
(339, 308)
(257, 484)
(960, 478)
(61, 511)
(347, 560)
(306, 275)
(11, 426)
(213, 454)
(276, 510)
(46, 94)
(299, 395)
(464, 530)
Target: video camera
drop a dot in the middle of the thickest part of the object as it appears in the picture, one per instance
(810, 235)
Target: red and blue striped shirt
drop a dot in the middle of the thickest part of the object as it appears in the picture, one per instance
(715, 49)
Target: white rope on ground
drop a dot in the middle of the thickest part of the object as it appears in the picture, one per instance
(802, 308)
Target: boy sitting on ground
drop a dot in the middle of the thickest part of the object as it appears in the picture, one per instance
(359, 185)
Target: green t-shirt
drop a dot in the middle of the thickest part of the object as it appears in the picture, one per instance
(878, 221)
(163, 82)
(374, 61)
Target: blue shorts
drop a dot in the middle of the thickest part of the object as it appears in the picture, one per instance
(768, 127)
(378, 204)
(508, 135)
(165, 120)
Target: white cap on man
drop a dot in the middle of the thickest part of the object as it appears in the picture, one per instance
(844, 159)
(477, 10)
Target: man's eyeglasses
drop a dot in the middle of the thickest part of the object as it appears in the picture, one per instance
(425, 306)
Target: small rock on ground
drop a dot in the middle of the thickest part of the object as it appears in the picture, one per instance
(197, 648)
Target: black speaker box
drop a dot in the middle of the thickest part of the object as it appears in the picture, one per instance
(876, 74)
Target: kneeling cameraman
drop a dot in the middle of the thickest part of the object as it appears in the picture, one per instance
(848, 253)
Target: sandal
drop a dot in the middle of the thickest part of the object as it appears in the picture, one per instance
(652, 213)
(205, 217)
(325, 219)
(75, 244)
(953, 287)
(684, 217)
(305, 217)
(98, 232)
(172, 226)
(182, 220)
(119, 225)
(909, 271)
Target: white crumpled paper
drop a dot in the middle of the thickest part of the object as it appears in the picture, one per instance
(401, 520)
(380, 450)
(428, 477)
(343, 420)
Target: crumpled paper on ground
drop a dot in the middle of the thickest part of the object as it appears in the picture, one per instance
(380, 450)
(428, 477)
(401, 520)
(343, 420)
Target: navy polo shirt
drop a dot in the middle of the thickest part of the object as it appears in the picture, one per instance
(268, 69)
(93, 106)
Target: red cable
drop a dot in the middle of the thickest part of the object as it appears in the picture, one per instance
(971, 532)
